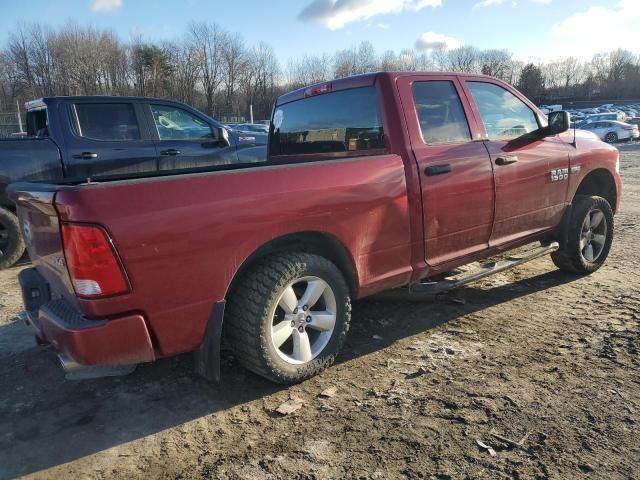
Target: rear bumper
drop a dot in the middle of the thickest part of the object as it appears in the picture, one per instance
(119, 341)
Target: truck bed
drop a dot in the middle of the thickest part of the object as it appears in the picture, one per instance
(182, 238)
(16, 164)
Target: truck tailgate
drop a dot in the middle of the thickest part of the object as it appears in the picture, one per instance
(41, 229)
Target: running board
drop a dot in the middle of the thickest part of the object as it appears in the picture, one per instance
(483, 272)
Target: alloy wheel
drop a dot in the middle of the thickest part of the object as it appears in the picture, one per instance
(303, 319)
(593, 235)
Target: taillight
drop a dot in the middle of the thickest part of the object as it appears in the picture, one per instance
(92, 261)
(628, 128)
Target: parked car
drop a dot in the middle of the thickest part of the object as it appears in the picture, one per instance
(633, 121)
(372, 182)
(616, 116)
(252, 127)
(94, 138)
(611, 131)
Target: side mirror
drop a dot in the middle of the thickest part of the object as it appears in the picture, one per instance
(222, 137)
(559, 122)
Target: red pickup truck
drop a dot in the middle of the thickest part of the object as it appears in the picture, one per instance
(371, 182)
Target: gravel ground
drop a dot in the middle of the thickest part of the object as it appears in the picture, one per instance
(538, 365)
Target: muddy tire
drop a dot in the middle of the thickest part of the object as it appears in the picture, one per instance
(288, 317)
(11, 241)
(590, 234)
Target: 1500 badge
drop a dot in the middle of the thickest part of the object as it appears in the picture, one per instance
(559, 174)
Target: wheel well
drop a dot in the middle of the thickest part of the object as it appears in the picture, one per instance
(309, 242)
(599, 182)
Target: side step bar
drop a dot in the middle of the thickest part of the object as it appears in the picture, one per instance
(483, 272)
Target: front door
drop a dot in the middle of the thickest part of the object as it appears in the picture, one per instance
(186, 141)
(531, 172)
(456, 177)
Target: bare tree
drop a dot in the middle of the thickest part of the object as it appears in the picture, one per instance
(353, 61)
(208, 41)
(496, 63)
(308, 69)
(234, 62)
(463, 59)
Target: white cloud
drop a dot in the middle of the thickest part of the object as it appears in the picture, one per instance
(493, 3)
(335, 14)
(598, 29)
(433, 40)
(105, 5)
(487, 3)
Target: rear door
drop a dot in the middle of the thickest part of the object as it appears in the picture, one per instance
(185, 140)
(107, 139)
(531, 172)
(456, 176)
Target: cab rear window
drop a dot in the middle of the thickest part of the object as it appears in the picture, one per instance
(342, 122)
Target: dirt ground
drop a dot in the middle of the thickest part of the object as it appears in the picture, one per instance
(547, 360)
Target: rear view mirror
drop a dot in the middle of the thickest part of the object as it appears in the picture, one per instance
(559, 122)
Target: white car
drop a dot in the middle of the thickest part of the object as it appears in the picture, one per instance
(611, 131)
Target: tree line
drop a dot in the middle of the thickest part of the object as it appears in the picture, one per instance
(216, 71)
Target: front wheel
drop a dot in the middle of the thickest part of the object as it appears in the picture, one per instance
(288, 317)
(590, 235)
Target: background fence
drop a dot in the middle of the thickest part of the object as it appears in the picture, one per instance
(9, 123)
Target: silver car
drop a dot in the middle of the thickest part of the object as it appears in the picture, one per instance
(611, 131)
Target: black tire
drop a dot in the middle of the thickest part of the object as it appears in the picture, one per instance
(570, 257)
(249, 319)
(611, 137)
(11, 241)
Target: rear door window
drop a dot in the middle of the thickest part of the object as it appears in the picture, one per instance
(504, 115)
(440, 112)
(342, 122)
(107, 121)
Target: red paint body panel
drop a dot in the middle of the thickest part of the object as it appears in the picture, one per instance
(183, 238)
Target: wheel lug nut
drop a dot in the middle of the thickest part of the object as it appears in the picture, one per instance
(293, 323)
(305, 308)
(309, 319)
(295, 310)
(301, 329)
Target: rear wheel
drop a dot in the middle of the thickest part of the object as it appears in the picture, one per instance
(288, 317)
(590, 235)
(611, 137)
(11, 241)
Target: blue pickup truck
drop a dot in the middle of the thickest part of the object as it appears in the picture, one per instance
(99, 137)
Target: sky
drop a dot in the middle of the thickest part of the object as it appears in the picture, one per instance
(530, 29)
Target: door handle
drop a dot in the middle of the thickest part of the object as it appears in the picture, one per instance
(85, 155)
(437, 169)
(506, 160)
(170, 151)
